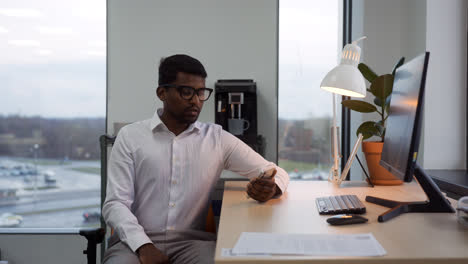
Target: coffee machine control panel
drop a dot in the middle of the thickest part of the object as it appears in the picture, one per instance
(235, 98)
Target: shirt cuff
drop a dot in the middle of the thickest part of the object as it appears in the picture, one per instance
(282, 179)
(281, 185)
(136, 241)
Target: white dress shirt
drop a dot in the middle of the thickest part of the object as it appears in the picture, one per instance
(158, 181)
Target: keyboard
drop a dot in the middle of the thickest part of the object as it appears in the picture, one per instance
(340, 204)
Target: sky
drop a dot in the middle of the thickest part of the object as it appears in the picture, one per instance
(53, 55)
(309, 47)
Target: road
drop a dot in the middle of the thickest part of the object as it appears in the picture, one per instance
(59, 209)
(62, 207)
(54, 201)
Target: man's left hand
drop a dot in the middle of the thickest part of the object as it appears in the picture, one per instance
(262, 189)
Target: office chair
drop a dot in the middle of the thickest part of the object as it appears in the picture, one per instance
(96, 236)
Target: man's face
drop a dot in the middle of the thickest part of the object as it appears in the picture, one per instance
(183, 110)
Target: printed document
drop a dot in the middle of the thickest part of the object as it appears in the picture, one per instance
(250, 243)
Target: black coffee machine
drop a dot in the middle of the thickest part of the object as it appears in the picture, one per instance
(236, 111)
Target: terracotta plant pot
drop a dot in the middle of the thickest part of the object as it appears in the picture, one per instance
(378, 174)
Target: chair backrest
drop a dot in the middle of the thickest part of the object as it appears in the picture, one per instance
(104, 142)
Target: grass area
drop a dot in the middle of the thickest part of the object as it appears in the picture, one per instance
(40, 188)
(43, 162)
(289, 165)
(92, 170)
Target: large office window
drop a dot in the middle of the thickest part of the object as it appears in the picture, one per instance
(309, 47)
(52, 111)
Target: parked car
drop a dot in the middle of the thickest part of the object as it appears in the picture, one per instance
(10, 220)
(92, 216)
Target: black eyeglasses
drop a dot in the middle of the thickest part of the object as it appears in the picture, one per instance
(188, 92)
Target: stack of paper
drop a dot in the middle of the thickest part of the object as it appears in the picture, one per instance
(307, 244)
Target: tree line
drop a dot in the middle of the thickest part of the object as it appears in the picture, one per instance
(61, 138)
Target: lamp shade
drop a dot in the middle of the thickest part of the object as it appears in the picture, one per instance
(346, 80)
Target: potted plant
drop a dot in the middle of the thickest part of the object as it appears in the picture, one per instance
(381, 88)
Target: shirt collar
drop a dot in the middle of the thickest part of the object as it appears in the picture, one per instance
(158, 125)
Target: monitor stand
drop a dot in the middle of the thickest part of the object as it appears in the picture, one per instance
(436, 203)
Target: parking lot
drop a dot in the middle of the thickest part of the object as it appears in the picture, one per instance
(50, 193)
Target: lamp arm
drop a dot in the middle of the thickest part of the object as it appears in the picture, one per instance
(359, 39)
(335, 170)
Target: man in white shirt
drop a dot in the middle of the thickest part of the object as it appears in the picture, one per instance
(162, 171)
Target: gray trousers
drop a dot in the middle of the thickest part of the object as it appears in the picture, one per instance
(182, 247)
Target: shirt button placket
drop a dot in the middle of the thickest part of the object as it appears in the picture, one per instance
(172, 191)
(175, 163)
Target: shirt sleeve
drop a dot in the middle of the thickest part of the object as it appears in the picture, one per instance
(120, 195)
(240, 158)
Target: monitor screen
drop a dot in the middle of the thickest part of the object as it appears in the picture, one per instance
(403, 126)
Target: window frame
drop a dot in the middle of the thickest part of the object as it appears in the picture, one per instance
(346, 112)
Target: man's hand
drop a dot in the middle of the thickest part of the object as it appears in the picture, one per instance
(263, 189)
(149, 254)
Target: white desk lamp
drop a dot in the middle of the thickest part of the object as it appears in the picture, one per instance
(344, 79)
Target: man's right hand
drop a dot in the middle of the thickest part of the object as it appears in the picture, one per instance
(149, 254)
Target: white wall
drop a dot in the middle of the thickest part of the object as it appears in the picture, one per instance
(233, 39)
(445, 106)
(394, 29)
(50, 249)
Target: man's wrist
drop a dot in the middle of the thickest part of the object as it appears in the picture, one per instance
(278, 190)
(143, 247)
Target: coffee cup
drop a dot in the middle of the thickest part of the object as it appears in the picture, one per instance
(238, 126)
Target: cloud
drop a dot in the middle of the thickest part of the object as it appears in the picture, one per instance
(21, 12)
(54, 90)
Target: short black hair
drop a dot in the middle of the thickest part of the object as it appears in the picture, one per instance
(170, 66)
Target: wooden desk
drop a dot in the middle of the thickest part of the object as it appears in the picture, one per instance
(409, 238)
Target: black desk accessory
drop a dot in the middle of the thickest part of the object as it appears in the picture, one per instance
(346, 219)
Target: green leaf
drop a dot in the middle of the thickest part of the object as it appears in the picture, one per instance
(387, 101)
(367, 129)
(387, 104)
(380, 127)
(398, 64)
(369, 74)
(387, 108)
(359, 106)
(377, 101)
(382, 86)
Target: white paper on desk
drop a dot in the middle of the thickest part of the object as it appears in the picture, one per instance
(227, 252)
(308, 244)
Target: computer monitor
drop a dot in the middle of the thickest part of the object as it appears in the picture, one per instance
(401, 141)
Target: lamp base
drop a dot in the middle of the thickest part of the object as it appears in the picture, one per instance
(334, 175)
